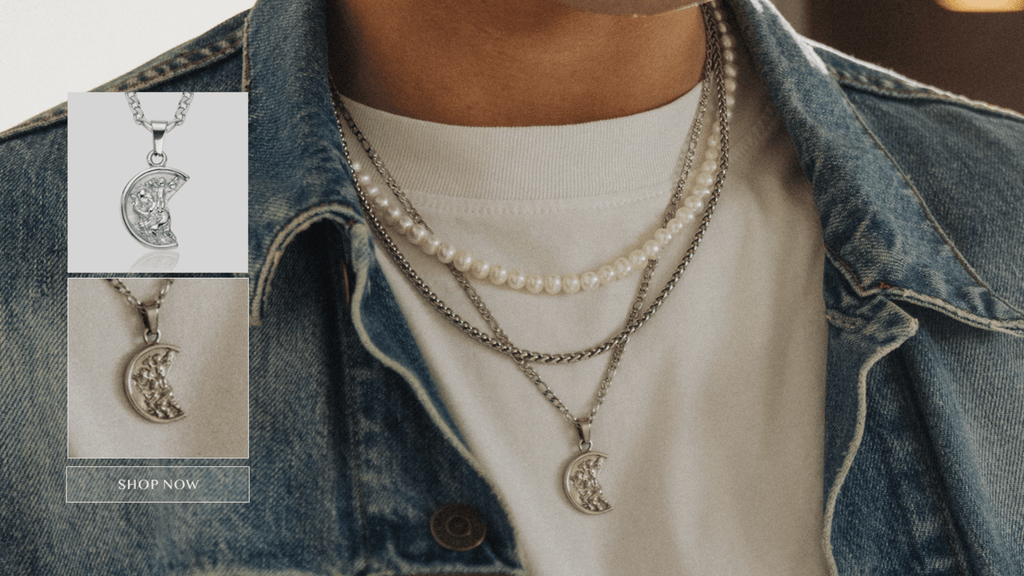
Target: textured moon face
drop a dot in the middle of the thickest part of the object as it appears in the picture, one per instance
(144, 206)
(146, 385)
(581, 485)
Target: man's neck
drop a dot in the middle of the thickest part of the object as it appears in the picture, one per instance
(510, 62)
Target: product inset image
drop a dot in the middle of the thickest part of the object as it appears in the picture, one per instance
(158, 368)
(157, 182)
(146, 379)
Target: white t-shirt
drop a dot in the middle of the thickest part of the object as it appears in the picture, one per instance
(713, 425)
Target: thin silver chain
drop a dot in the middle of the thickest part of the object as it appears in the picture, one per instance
(499, 341)
(140, 117)
(135, 302)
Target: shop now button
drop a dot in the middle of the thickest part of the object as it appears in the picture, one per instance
(157, 484)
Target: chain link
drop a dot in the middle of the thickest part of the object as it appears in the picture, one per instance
(636, 320)
(135, 302)
(140, 117)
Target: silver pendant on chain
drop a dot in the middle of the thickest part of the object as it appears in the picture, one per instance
(580, 480)
(144, 199)
(146, 381)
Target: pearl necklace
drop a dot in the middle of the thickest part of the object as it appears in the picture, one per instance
(580, 476)
(398, 214)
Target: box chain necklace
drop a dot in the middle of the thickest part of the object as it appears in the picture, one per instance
(144, 199)
(580, 478)
(145, 378)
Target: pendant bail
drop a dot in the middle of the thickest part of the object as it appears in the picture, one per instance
(151, 318)
(157, 156)
(583, 430)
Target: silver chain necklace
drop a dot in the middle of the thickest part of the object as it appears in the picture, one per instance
(145, 379)
(145, 197)
(580, 477)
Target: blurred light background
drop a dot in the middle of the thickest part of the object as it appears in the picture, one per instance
(973, 50)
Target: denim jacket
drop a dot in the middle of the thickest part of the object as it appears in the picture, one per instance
(352, 450)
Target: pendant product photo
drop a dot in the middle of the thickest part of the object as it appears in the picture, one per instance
(144, 200)
(146, 379)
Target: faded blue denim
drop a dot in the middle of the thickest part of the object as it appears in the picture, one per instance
(922, 206)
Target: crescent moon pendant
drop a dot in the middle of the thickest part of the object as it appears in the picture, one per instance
(147, 387)
(144, 206)
(581, 485)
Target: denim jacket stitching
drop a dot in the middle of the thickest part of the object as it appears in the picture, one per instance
(938, 304)
(891, 86)
(166, 70)
(218, 49)
(854, 446)
(246, 66)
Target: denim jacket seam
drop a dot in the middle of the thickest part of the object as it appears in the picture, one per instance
(232, 42)
(330, 211)
(853, 448)
(933, 302)
(887, 86)
(246, 66)
(134, 82)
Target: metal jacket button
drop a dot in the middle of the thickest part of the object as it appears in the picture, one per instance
(457, 527)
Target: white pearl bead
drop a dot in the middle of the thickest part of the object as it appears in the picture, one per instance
(535, 284)
(552, 284)
(719, 15)
(516, 280)
(364, 180)
(693, 203)
(570, 283)
(446, 253)
(702, 192)
(393, 213)
(589, 281)
(731, 70)
(480, 269)
(498, 275)
(404, 224)
(638, 259)
(714, 143)
(382, 202)
(651, 249)
(723, 28)
(675, 226)
(622, 267)
(463, 261)
(730, 101)
(662, 237)
(729, 56)
(705, 180)
(730, 86)
(372, 192)
(431, 245)
(417, 234)
(605, 275)
(727, 41)
(355, 166)
(685, 215)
